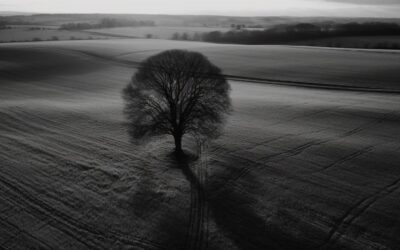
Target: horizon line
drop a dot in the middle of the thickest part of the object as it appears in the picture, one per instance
(176, 14)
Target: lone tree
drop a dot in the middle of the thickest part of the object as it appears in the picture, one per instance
(179, 93)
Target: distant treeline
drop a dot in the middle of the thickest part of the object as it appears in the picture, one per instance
(3, 23)
(107, 23)
(301, 32)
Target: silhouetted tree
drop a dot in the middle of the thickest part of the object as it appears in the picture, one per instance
(178, 93)
(185, 36)
(197, 37)
(175, 36)
(3, 23)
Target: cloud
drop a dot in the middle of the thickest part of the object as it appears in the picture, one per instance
(368, 2)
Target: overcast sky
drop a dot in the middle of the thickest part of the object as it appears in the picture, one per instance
(369, 8)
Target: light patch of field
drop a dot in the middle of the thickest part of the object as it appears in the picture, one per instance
(160, 32)
(324, 67)
(297, 168)
(31, 33)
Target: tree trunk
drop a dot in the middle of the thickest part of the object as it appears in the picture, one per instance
(178, 144)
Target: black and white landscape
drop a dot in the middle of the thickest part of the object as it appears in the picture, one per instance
(290, 125)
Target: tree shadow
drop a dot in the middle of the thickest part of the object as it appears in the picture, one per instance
(232, 210)
(234, 213)
(165, 220)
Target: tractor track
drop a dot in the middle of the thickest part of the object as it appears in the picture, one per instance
(70, 226)
(344, 222)
(198, 220)
(346, 158)
(261, 162)
(6, 224)
(82, 232)
(53, 127)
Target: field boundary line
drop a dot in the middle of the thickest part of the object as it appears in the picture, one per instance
(279, 82)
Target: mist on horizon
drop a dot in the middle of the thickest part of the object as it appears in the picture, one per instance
(339, 8)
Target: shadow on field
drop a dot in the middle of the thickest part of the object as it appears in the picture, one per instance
(233, 213)
(230, 208)
(166, 221)
(39, 64)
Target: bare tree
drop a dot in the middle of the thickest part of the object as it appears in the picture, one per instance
(178, 93)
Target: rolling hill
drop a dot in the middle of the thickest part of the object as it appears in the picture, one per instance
(309, 157)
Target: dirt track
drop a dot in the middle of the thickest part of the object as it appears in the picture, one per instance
(297, 167)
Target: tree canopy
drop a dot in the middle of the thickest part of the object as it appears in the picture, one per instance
(178, 93)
